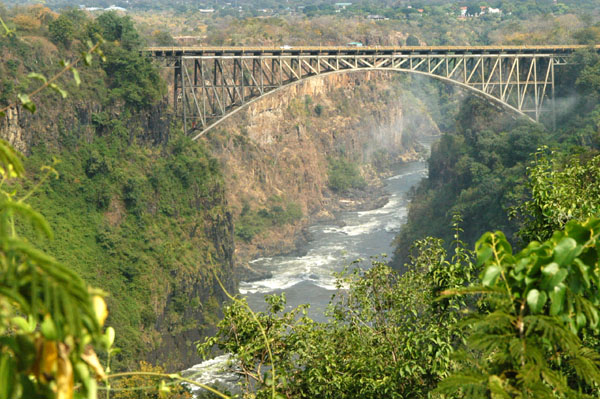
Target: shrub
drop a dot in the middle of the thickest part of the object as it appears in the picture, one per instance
(319, 109)
(61, 30)
(344, 175)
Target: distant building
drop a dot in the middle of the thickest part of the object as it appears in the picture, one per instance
(115, 8)
(376, 17)
(83, 7)
(342, 6)
(206, 10)
(463, 11)
(491, 10)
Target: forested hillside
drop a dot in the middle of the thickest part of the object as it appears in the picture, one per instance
(138, 210)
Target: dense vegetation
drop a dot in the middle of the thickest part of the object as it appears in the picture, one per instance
(252, 222)
(139, 208)
(343, 175)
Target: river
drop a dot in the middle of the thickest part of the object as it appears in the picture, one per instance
(308, 278)
(332, 245)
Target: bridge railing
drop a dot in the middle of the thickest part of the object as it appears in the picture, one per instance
(197, 50)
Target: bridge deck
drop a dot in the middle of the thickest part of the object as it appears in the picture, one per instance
(361, 50)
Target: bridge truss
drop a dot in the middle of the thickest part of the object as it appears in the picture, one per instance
(212, 84)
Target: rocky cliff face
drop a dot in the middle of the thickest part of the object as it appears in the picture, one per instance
(11, 130)
(279, 146)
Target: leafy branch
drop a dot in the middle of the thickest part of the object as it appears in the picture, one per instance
(262, 331)
(7, 31)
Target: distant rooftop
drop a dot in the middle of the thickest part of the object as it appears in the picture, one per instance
(115, 8)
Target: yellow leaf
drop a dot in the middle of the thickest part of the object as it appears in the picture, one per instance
(90, 357)
(64, 376)
(48, 361)
(100, 309)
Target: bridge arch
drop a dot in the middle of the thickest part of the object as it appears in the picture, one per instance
(213, 83)
(286, 86)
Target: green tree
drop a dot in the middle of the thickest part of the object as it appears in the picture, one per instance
(61, 30)
(162, 38)
(343, 175)
(412, 41)
(114, 27)
(562, 188)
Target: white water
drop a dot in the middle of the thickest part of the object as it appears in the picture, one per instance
(309, 278)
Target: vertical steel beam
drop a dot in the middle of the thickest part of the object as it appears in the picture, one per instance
(280, 72)
(183, 100)
(205, 94)
(176, 82)
(262, 77)
(553, 98)
(535, 87)
(519, 102)
(500, 82)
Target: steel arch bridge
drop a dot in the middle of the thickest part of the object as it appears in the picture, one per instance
(213, 83)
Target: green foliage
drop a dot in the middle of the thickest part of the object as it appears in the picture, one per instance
(477, 172)
(319, 109)
(388, 335)
(343, 175)
(146, 227)
(526, 342)
(131, 77)
(253, 222)
(162, 38)
(412, 41)
(140, 221)
(562, 188)
(49, 317)
(61, 30)
(116, 28)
